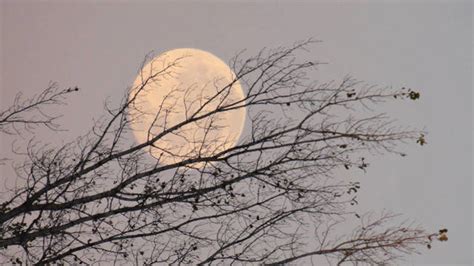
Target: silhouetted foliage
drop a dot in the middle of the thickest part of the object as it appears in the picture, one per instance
(275, 197)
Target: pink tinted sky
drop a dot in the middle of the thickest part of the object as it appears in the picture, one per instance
(99, 45)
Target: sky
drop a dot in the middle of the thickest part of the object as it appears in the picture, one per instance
(99, 46)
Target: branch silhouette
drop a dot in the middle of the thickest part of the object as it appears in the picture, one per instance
(103, 198)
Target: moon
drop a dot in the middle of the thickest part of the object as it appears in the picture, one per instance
(186, 85)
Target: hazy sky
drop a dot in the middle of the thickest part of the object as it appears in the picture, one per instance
(99, 45)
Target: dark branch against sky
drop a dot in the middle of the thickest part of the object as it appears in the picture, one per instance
(99, 47)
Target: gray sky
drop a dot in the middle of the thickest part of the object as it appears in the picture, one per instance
(99, 45)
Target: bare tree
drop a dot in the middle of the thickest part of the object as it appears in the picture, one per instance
(27, 114)
(275, 197)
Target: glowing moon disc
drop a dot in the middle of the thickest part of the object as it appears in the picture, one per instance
(181, 85)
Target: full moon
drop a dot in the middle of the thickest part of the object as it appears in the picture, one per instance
(186, 85)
